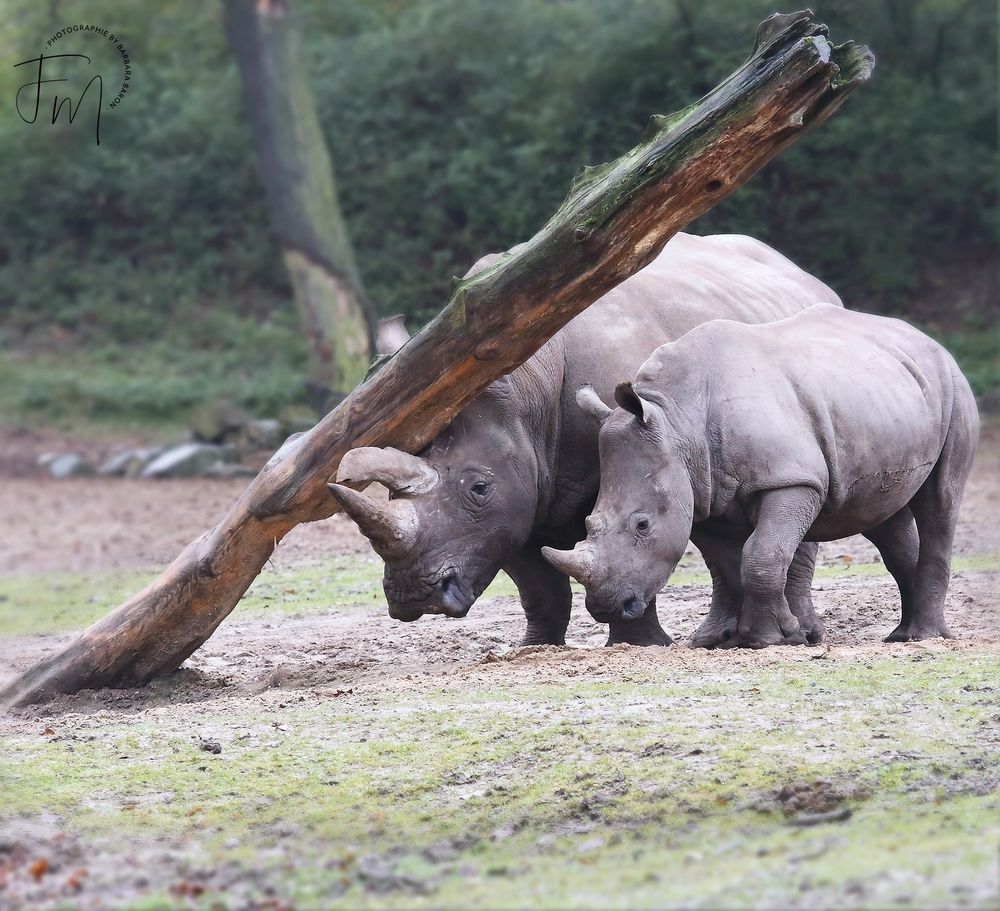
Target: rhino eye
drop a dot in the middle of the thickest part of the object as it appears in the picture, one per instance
(480, 488)
(640, 524)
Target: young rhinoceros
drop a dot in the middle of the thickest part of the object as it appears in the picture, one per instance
(825, 424)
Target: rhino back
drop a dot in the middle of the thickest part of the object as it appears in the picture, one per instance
(694, 279)
(855, 405)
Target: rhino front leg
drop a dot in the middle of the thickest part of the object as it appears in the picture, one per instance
(545, 597)
(798, 592)
(644, 630)
(783, 518)
(722, 554)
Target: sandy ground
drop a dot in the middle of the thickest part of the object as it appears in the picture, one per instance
(98, 524)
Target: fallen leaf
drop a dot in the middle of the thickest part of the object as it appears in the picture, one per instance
(185, 888)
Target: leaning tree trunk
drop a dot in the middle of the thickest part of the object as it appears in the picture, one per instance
(615, 220)
(297, 175)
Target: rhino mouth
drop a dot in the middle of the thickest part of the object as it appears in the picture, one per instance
(445, 592)
(626, 605)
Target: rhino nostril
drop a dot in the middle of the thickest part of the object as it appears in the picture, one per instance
(632, 607)
(448, 583)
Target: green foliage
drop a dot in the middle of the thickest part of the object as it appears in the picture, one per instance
(478, 115)
(255, 365)
(455, 129)
(977, 350)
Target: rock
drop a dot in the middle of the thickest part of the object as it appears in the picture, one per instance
(70, 465)
(189, 460)
(297, 418)
(130, 462)
(229, 452)
(266, 433)
(218, 421)
(229, 470)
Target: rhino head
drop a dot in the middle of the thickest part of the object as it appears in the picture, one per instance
(456, 513)
(641, 523)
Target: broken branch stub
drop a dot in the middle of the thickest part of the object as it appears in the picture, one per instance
(615, 220)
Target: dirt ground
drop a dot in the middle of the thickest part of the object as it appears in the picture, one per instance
(272, 665)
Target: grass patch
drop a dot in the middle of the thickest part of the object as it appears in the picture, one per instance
(256, 364)
(60, 602)
(571, 794)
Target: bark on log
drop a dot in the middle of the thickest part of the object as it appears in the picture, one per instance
(616, 219)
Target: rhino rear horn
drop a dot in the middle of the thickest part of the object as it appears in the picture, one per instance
(578, 563)
(391, 526)
(401, 472)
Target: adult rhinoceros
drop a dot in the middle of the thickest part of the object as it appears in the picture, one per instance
(518, 468)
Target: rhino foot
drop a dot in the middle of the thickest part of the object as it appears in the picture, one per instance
(714, 633)
(911, 632)
(809, 622)
(543, 637)
(765, 639)
(643, 630)
(657, 637)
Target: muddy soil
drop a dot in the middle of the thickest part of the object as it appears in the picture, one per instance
(336, 651)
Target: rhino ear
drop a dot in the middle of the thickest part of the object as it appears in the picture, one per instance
(590, 402)
(634, 403)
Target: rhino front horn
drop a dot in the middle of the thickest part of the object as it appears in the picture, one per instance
(578, 563)
(399, 471)
(391, 527)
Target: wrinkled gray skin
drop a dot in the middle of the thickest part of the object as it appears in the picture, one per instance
(825, 424)
(518, 468)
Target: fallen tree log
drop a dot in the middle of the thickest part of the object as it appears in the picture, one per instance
(615, 220)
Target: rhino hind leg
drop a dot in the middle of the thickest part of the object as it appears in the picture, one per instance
(644, 630)
(783, 518)
(898, 544)
(935, 512)
(545, 597)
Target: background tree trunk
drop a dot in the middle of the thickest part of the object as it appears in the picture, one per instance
(615, 220)
(295, 169)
